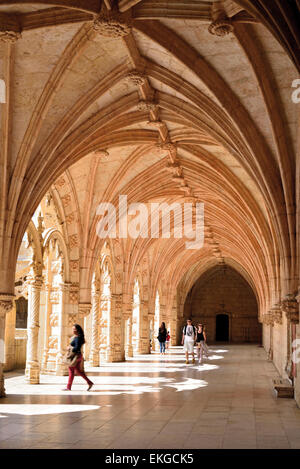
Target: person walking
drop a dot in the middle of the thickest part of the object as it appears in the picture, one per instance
(168, 340)
(201, 343)
(76, 344)
(189, 335)
(162, 337)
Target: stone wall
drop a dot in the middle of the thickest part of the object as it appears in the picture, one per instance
(225, 292)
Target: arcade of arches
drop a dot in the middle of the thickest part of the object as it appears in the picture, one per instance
(164, 101)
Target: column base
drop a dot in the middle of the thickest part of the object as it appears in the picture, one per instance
(129, 351)
(32, 374)
(2, 387)
(94, 360)
(61, 368)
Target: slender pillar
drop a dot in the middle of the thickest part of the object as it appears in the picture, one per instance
(6, 305)
(128, 347)
(32, 371)
(10, 332)
(117, 329)
(61, 368)
(48, 308)
(95, 338)
(290, 307)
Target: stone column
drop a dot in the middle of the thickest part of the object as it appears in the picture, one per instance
(32, 371)
(144, 332)
(61, 368)
(10, 332)
(48, 307)
(84, 309)
(117, 353)
(269, 321)
(94, 353)
(128, 346)
(6, 305)
(290, 308)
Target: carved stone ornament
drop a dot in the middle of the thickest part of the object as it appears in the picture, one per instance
(277, 314)
(101, 153)
(6, 303)
(290, 307)
(268, 319)
(136, 78)
(9, 36)
(221, 27)
(111, 23)
(147, 106)
(84, 309)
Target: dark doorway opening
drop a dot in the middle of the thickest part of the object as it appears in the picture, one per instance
(222, 328)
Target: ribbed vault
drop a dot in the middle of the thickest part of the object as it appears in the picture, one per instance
(147, 99)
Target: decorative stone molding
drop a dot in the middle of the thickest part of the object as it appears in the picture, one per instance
(72, 319)
(84, 309)
(221, 27)
(73, 241)
(60, 182)
(268, 319)
(66, 200)
(147, 106)
(276, 314)
(74, 265)
(70, 218)
(112, 23)
(136, 78)
(9, 37)
(101, 153)
(290, 307)
(156, 123)
(6, 303)
(54, 297)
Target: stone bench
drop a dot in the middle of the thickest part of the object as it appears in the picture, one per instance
(283, 388)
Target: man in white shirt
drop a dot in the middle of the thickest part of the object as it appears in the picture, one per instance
(189, 335)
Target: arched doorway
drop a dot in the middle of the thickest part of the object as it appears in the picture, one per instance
(222, 328)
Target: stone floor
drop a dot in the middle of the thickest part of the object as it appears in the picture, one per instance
(155, 402)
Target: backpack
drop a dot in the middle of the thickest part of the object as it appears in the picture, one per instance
(195, 330)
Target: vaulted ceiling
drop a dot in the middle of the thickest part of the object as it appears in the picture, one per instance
(162, 101)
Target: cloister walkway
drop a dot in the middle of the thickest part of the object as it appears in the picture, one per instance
(155, 402)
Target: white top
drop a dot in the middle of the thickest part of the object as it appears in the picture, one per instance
(189, 334)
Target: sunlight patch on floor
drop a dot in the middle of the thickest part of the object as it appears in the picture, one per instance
(44, 409)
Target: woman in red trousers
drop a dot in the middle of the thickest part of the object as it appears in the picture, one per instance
(77, 342)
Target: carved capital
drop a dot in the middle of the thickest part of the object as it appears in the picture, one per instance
(112, 23)
(268, 319)
(6, 303)
(10, 30)
(84, 309)
(276, 314)
(35, 281)
(290, 307)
